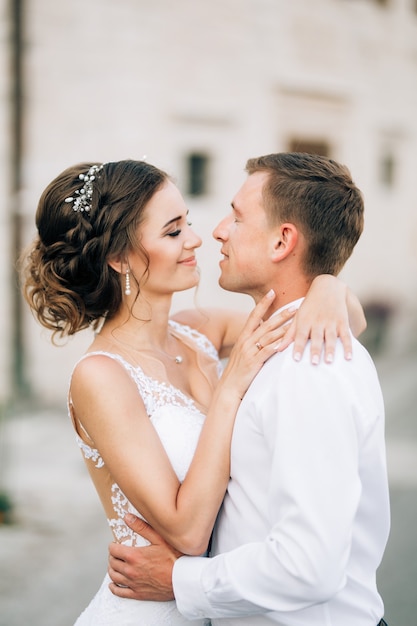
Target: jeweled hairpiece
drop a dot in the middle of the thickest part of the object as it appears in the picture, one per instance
(82, 197)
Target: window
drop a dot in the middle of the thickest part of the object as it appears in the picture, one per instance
(197, 173)
(310, 146)
(387, 169)
(382, 3)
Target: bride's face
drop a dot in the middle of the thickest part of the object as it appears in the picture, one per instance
(170, 242)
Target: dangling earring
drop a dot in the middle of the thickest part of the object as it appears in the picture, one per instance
(127, 283)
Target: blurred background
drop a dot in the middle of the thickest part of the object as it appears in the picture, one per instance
(198, 86)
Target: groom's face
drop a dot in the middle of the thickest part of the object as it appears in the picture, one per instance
(245, 237)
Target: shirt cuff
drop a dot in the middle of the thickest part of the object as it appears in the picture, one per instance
(188, 589)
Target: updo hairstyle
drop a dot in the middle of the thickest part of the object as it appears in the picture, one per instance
(66, 277)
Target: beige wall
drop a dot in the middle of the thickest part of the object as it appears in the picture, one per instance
(5, 211)
(234, 78)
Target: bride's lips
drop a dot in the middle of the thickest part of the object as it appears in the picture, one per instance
(191, 260)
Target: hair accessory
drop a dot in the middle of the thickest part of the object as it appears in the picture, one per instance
(127, 283)
(82, 201)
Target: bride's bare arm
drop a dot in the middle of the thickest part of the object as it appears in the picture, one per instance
(330, 310)
(107, 404)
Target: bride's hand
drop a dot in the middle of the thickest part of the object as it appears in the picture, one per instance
(258, 341)
(323, 317)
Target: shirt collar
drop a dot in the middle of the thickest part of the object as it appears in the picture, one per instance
(294, 303)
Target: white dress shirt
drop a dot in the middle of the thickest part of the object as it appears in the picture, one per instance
(305, 520)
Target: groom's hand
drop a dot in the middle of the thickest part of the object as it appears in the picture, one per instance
(142, 573)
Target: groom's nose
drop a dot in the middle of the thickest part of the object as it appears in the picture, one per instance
(221, 232)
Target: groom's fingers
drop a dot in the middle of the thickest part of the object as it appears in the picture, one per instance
(114, 572)
(121, 592)
(118, 554)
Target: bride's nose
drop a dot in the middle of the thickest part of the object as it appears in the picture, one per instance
(193, 240)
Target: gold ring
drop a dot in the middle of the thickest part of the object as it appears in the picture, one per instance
(259, 345)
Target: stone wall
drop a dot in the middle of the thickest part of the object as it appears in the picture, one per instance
(227, 79)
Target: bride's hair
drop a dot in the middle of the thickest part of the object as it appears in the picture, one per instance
(67, 280)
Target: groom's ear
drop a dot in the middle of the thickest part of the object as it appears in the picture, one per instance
(285, 241)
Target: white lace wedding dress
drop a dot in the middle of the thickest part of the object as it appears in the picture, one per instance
(178, 422)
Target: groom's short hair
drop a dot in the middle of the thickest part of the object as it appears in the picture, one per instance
(318, 195)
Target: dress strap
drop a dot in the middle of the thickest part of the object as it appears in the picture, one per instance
(196, 341)
(111, 355)
(78, 427)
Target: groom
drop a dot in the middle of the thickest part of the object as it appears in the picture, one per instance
(305, 520)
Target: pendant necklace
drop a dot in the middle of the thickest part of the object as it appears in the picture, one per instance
(178, 359)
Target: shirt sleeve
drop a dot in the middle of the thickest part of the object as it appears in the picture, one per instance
(312, 425)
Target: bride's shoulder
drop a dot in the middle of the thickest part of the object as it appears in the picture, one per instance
(99, 370)
(210, 322)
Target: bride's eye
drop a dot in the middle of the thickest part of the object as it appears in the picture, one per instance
(174, 233)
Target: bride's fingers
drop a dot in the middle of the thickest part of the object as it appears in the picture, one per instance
(276, 325)
(277, 321)
(273, 337)
(300, 333)
(289, 337)
(345, 337)
(265, 347)
(323, 338)
(255, 317)
(275, 328)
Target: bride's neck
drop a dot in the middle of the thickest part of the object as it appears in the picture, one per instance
(142, 329)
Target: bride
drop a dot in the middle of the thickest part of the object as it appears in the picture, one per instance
(152, 418)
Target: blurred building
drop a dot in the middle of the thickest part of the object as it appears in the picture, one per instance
(198, 87)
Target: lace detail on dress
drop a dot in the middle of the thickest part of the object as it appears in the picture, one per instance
(89, 452)
(201, 341)
(178, 423)
(121, 531)
(156, 394)
(174, 416)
